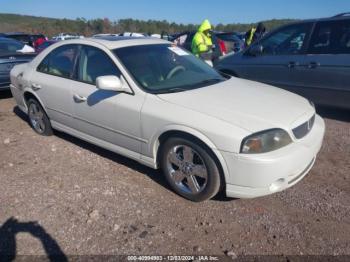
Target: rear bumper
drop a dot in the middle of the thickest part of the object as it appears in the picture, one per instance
(5, 83)
(264, 174)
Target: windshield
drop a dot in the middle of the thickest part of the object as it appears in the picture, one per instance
(165, 68)
(9, 45)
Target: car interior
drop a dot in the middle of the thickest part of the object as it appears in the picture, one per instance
(94, 63)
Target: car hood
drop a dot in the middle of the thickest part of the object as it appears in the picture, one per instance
(249, 105)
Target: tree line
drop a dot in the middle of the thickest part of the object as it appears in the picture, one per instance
(53, 26)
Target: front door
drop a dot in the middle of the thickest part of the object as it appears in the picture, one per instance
(109, 116)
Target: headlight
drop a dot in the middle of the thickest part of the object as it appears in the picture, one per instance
(265, 141)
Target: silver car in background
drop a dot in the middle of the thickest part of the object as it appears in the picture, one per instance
(310, 58)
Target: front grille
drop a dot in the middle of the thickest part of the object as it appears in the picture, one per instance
(302, 130)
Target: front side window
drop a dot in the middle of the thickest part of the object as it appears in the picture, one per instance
(331, 37)
(60, 62)
(287, 41)
(163, 68)
(93, 63)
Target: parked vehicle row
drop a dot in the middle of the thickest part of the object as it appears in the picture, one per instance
(310, 58)
(12, 53)
(28, 39)
(224, 42)
(158, 104)
(66, 36)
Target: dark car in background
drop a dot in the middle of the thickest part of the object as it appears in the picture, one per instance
(310, 58)
(28, 39)
(22, 37)
(224, 42)
(9, 57)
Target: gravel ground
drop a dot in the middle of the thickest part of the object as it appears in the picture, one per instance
(59, 194)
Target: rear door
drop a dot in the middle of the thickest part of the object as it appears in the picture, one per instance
(283, 52)
(326, 69)
(52, 82)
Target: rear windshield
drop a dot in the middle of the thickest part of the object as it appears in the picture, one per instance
(22, 38)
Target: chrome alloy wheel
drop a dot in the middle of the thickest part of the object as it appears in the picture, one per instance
(187, 169)
(36, 117)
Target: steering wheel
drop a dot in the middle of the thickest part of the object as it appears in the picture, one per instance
(175, 70)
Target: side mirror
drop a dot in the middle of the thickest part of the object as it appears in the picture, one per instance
(112, 83)
(256, 50)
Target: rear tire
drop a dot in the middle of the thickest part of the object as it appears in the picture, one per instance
(190, 169)
(38, 118)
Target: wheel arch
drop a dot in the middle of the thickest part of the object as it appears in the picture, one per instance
(193, 135)
(27, 95)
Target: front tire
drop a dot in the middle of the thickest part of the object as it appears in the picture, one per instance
(190, 169)
(38, 119)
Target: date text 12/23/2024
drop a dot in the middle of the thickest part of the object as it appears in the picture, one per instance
(172, 258)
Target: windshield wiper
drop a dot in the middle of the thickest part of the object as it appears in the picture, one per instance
(207, 82)
(193, 86)
(172, 90)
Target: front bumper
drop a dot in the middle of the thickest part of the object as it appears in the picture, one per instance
(264, 174)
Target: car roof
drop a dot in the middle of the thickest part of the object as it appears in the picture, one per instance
(16, 33)
(339, 17)
(113, 42)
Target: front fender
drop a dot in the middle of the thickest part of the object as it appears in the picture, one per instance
(153, 145)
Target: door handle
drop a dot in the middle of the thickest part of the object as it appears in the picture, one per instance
(36, 86)
(292, 64)
(313, 65)
(79, 99)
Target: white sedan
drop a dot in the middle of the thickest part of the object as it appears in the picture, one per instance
(161, 106)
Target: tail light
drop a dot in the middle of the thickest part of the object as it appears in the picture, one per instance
(222, 46)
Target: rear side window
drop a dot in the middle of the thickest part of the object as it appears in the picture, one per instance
(331, 37)
(60, 62)
(94, 62)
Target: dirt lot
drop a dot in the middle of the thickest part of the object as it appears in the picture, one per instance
(61, 195)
